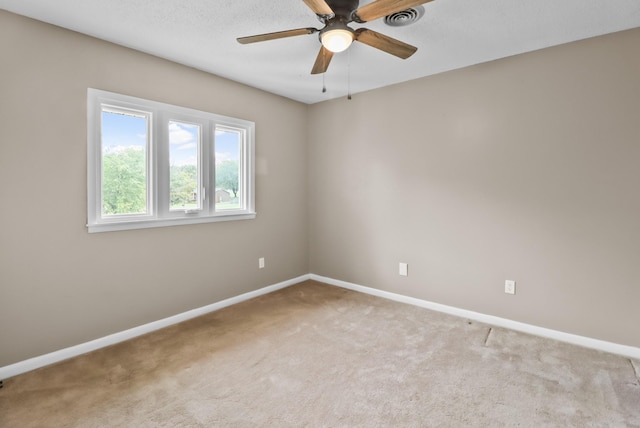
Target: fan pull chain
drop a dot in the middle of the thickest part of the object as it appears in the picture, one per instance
(324, 87)
(324, 61)
(349, 74)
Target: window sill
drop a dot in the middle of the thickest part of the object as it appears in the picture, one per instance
(165, 222)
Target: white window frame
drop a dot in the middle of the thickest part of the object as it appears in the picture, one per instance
(158, 204)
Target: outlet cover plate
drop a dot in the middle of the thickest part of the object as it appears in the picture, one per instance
(510, 286)
(403, 269)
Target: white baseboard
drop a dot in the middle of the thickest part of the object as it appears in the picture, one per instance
(587, 342)
(83, 348)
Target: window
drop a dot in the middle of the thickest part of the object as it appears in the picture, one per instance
(152, 164)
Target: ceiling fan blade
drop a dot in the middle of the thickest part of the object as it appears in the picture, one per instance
(319, 7)
(380, 8)
(276, 35)
(322, 61)
(385, 43)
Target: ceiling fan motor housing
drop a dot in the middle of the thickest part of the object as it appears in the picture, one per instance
(343, 8)
(337, 23)
(343, 11)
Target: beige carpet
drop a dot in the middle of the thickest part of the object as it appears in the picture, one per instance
(315, 355)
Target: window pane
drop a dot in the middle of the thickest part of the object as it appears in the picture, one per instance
(184, 188)
(228, 146)
(124, 162)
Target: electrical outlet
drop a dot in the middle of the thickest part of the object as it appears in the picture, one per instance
(403, 269)
(261, 263)
(510, 286)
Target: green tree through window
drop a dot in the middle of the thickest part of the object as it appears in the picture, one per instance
(184, 185)
(124, 162)
(227, 176)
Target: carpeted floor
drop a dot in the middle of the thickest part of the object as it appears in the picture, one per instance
(316, 355)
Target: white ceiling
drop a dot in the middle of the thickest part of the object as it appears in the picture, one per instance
(451, 34)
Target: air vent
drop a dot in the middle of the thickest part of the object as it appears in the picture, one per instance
(405, 17)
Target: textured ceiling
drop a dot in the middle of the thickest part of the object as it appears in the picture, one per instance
(451, 34)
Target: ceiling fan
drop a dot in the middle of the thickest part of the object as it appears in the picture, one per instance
(337, 36)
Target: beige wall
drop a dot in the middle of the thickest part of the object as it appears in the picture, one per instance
(59, 285)
(524, 168)
(527, 168)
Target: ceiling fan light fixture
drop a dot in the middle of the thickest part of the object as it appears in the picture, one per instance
(337, 39)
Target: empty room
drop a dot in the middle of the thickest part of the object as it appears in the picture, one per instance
(319, 213)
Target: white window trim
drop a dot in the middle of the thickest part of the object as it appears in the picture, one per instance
(159, 214)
